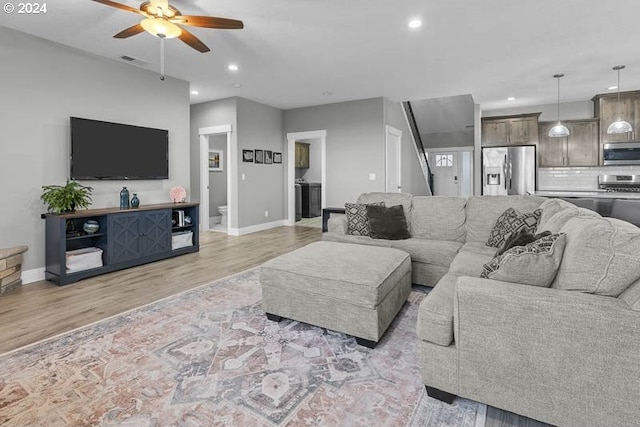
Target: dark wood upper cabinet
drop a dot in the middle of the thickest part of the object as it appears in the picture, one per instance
(606, 108)
(520, 129)
(580, 148)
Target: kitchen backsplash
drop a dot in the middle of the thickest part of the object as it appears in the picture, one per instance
(577, 179)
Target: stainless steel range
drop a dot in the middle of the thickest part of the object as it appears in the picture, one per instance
(622, 183)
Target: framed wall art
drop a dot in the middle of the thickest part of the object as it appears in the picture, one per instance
(277, 157)
(258, 156)
(268, 157)
(216, 162)
(247, 156)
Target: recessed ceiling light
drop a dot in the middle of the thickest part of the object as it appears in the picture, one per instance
(194, 92)
(511, 98)
(327, 93)
(233, 67)
(237, 85)
(414, 23)
(612, 88)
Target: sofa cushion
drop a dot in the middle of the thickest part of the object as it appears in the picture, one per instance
(632, 295)
(558, 220)
(470, 263)
(436, 252)
(359, 240)
(549, 208)
(483, 211)
(439, 218)
(602, 256)
(512, 221)
(387, 222)
(435, 314)
(357, 219)
(389, 199)
(534, 264)
(479, 247)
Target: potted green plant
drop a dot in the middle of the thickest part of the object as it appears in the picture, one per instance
(66, 198)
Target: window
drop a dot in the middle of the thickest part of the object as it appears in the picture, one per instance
(444, 160)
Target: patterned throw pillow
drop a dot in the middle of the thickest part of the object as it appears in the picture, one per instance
(535, 264)
(512, 221)
(520, 238)
(357, 220)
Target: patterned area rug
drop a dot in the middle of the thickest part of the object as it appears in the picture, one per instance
(209, 357)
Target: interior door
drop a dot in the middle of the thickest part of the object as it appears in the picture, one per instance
(446, 181)
(393, 166)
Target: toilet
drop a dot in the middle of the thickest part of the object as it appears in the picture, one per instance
(223, 211)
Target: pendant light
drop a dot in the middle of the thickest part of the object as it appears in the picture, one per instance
(559, 130)
(619, 126)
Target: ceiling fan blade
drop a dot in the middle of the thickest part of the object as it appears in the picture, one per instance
(119, 6)
(131, 31)
(193, 41)
(210, 22)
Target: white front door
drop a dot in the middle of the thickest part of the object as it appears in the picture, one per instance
(444, 166)
(393, 183)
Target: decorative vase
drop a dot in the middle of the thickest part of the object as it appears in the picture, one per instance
(124, 198)
(91, 226)
(135, 202)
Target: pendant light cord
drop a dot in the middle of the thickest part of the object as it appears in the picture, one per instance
(558, 99)
(161, 56)
(618, 106)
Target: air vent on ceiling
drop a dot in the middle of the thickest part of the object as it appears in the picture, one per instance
(135, 61)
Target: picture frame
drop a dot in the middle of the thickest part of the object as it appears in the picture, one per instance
(258, 156)
(268, 157)
(216, 160)
(247, 156)
(277, 157)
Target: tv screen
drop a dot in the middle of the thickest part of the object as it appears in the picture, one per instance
(104, 150)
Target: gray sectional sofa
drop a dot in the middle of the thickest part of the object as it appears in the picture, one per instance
(568, 354)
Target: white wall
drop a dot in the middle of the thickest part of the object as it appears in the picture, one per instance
(413, 179)
(43, 83)
(568, 111)
(354, 146)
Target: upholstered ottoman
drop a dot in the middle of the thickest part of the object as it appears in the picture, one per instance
(354, 289)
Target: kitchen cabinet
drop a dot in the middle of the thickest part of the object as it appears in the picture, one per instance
(580, 148)
(302, 155)
(521, 129)
(607, 110)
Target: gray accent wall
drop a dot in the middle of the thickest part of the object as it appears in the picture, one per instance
(460, 138)
(355, 145)
(260, 127)
(42, 85)
(413, 180)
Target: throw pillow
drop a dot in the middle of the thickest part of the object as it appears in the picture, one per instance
(357, 221)
(535, 264)
(520, 238)
(387, 223)
(511, 221)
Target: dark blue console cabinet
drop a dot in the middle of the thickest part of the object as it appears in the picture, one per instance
(125, 238)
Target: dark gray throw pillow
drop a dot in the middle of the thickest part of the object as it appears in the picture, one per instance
(511, 221)
(387, 223)
(357, 221)
(520, 238)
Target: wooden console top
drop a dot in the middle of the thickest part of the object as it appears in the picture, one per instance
(95, 212)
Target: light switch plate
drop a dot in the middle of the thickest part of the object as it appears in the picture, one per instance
(372, 177)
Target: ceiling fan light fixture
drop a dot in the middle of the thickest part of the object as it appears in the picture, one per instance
(158, 26)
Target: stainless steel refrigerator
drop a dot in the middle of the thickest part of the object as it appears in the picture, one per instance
(508, 170)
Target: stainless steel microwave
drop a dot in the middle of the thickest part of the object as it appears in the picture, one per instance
(621, 153)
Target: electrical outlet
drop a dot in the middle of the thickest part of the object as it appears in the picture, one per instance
(266, 214)
(372, 177)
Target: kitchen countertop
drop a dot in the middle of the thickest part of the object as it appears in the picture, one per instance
(589, 194)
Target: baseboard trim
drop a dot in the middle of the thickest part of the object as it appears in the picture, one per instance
(255, 228)
(33, 275)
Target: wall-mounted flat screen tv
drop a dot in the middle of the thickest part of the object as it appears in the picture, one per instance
(105, 150)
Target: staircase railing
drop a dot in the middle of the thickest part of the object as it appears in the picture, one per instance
(417, 142)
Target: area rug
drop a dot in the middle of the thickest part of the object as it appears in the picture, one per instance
(209, 357)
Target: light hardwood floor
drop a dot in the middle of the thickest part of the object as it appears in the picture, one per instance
(41, 310)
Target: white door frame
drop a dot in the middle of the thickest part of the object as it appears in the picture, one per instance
(292, 137)
(230, 164)
(397, 133)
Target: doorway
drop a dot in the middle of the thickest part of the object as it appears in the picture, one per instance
(317, 141)
(216, 140)
(393, 160)
(452, 170)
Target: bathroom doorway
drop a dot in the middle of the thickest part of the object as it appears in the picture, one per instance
(218, 160)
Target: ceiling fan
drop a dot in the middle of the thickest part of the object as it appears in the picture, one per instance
(164, 21)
